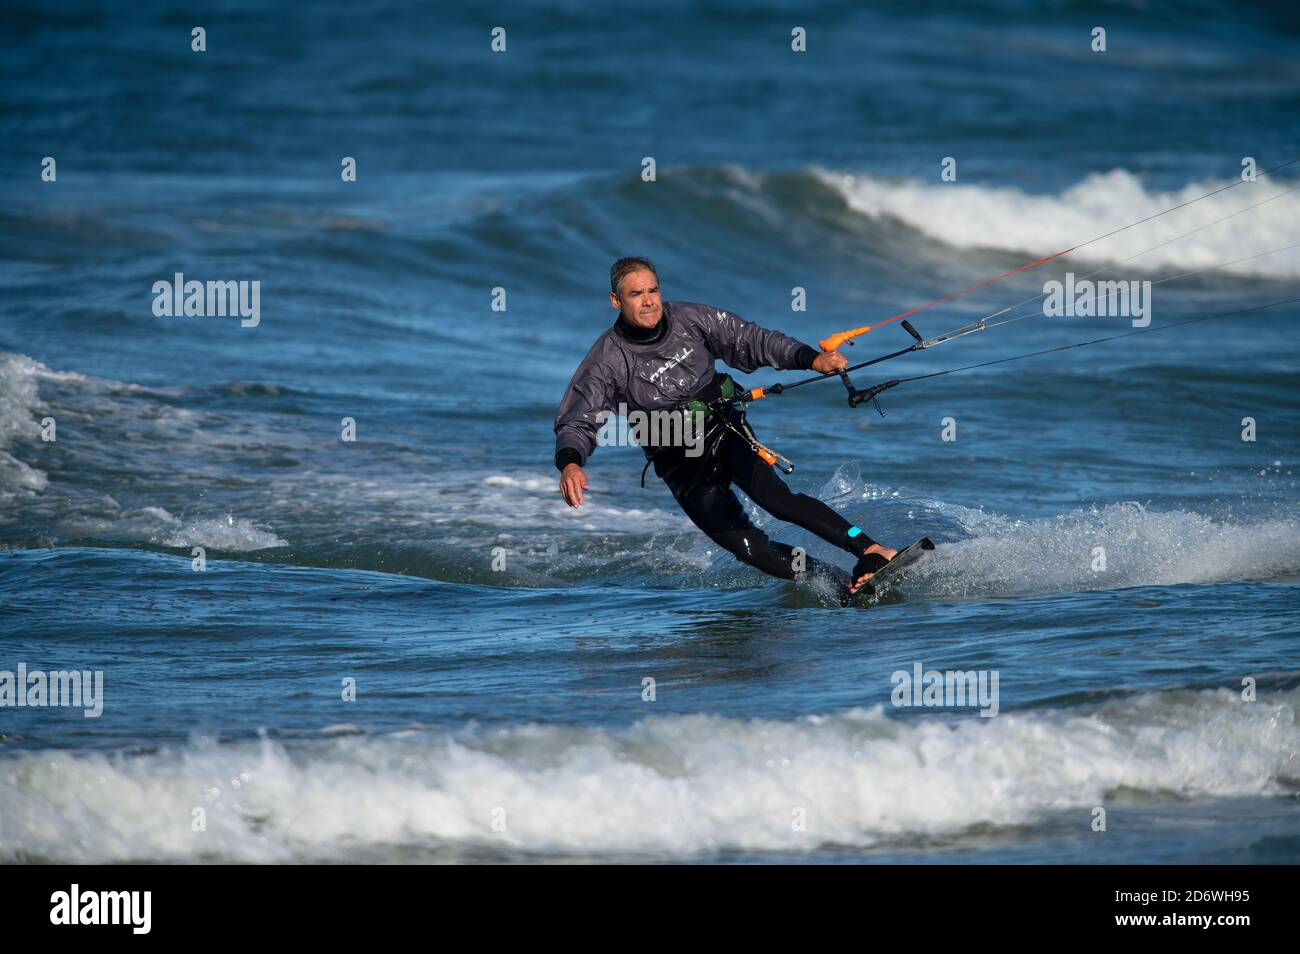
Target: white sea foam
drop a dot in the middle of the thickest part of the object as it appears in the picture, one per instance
(18, 397)
(106, 414)
(19, 409)
(681, 785)
(22, 410)
(1140, 547)
(977, 216)
(221, 533)
(532, 501)
(157, 525)
(17, 477)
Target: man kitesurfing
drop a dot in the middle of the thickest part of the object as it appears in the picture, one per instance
(659, 356)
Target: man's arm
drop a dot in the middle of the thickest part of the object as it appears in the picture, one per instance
(747, 347)
(589, 393)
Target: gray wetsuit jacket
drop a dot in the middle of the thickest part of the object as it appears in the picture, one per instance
(652, 376)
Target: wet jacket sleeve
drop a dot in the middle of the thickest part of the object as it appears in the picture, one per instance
(747, 347)
(590, 391)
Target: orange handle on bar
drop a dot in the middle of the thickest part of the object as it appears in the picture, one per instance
(834, 341)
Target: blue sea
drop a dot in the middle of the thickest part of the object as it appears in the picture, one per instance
(407, 648)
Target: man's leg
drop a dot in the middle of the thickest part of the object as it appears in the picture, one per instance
(714, 507)
(761, 483)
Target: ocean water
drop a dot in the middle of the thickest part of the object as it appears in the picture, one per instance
(538, 683)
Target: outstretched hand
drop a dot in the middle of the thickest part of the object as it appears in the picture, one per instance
(573, 481)
(828, 362)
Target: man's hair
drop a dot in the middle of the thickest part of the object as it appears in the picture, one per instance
(623, 266)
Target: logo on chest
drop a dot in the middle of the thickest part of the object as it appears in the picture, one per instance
(673, 361)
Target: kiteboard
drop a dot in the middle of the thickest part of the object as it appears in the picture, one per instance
(883, 578)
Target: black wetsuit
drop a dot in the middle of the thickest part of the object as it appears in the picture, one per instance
(629, 363)
(702, 487)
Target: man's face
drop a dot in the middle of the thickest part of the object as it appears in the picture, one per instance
(639, 300)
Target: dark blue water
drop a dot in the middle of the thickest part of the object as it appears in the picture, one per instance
(528, 681)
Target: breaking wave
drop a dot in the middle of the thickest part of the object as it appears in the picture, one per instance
(675, 786)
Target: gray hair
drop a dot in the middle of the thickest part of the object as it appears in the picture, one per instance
(624, 266)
